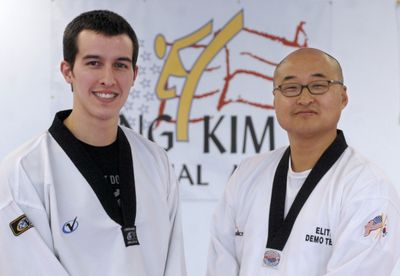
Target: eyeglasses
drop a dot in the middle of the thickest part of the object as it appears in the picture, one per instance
(318, 87)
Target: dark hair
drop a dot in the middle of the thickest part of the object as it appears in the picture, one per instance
(102, 22)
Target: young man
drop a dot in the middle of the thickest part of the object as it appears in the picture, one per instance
(316, 207)
(88, 197)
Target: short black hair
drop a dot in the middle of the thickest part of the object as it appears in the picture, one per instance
(100, 21)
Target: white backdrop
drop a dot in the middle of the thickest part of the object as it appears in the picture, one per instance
(223, 110)
(362, 34)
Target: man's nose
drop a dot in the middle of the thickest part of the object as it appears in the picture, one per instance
(108, 77)
(305, 97)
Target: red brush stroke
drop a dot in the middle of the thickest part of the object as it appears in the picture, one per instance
(222, 100)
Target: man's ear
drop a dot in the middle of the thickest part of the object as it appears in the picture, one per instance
(66, 71)
(135, 73)
(345, 98)
(273, 102)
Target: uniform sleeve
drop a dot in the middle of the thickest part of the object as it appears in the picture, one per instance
(222, 259)
(175, 264)
(25, 243)
(367, 241)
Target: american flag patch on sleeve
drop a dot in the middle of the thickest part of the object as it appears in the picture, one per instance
(377, 223)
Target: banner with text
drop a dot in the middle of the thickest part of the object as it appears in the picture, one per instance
(204, 90)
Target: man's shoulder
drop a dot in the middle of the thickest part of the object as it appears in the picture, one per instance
(356, 163)
(364, 179)
(18, 166)
(31, 149)
(263, 159)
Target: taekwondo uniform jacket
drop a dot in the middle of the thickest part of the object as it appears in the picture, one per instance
(348, 226)
(53, 224)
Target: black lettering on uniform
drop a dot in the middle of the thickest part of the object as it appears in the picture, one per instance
(313, 239)
(328, 241)
(316, 239)
(114, 179)
(322, 231)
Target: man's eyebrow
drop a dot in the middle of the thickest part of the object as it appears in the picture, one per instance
(91, 57)
(288, 78)
(318, 75)
(125, 59)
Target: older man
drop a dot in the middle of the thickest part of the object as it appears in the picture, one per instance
(316, 207)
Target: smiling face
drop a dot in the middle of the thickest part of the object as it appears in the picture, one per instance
(101, 77)
(306, 115)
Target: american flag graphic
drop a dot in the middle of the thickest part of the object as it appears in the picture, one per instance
(373, 224)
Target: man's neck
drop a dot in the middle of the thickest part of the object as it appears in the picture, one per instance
(304, 153)
(92, 132)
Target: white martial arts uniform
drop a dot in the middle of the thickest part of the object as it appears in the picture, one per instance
(72, 234)
(337, 232)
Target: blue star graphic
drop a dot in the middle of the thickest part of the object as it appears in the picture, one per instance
(132, 121)
(143, 109)
(155, 69)
(141, 43)
(142, 70)
(145, 83)
(149, 96)
(128, 105)
(146, 124)
(135, 94)
(145, 56)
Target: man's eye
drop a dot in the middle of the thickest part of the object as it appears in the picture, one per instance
(121, 65)
(318, 86)
(93, 63)
(290, 88)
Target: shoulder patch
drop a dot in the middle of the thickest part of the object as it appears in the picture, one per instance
(377, 224)
(20, 225)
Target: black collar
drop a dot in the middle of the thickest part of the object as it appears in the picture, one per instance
(94, 176)
(279, 227)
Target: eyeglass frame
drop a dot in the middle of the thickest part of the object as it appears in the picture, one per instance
(330, 83)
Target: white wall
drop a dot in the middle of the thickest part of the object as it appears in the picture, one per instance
(371, 73)
(24, 71)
